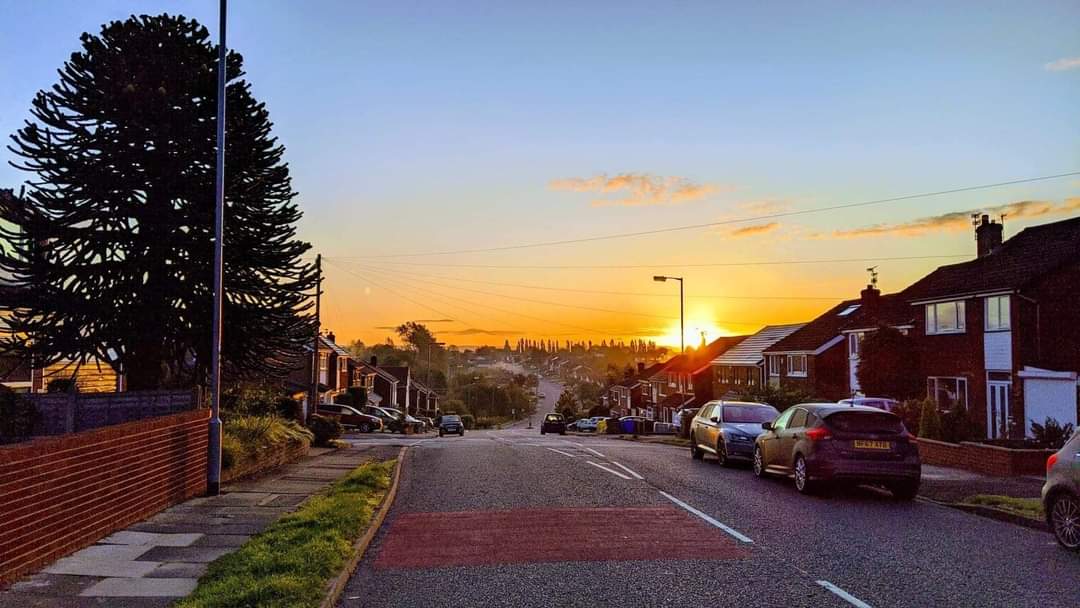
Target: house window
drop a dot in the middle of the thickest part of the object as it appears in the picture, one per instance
(997, 313)
(796, 366)
(948, 393)
(324, 367)
(855, 341)
(774, 365)
(945, 318)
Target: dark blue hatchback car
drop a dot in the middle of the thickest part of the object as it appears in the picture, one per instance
(727, 429)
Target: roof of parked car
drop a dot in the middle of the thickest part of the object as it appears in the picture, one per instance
(828, 408)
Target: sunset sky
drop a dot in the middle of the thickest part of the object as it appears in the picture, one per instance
(419, 127)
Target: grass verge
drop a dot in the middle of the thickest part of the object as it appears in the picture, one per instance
(1030, 508)
(290, 562)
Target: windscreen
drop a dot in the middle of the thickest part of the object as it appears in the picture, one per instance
(554, 418)
(747, 413)
(451, 419)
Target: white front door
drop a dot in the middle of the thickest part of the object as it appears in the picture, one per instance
(997, 409)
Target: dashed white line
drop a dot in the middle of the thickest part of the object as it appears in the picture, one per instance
(628, 470)
(844, 595)
(612, 471)
(731, 531)
(562, 452)
(595, 452)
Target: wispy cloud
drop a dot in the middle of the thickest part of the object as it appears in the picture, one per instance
(961, 220)
(755, 230)
(637, 189)
(475, 331)
(1065, 63)
(765, 206)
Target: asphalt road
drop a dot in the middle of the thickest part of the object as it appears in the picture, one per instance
(511, 518)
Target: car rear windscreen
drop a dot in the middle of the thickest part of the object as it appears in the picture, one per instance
(865, 422)
(748, 413)
(451, 419)
(554, 418)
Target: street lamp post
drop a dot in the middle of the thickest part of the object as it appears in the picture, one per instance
(682, 308)
(213, 460)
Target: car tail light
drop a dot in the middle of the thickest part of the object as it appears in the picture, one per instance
(1050, 462)
(818, 433)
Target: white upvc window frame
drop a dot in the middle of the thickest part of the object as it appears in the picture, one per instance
(933, 318)
(774, 365)
(933, 387)
(793, 369)
(997, 313)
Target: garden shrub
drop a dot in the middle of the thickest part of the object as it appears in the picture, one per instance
(1051, 434)
(18, 416)
(252, 399)
(325, 429)
(468, 421)
(910, 412)
(930, 421)
(251, 437)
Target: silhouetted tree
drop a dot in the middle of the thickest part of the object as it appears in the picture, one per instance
(113, 241)
(889, 366)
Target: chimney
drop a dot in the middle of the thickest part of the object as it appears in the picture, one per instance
(330, 336)
(988, 235)
(374, 361)
(641, 367)
(869, 297)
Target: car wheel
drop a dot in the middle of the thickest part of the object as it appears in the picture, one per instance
(440, 433)
(1063, 515)
(802, 477)
(695, 452)
(364, 427)
(461, 433)
(721, 453)
(904, 490)
(759, 462)
(543, 432)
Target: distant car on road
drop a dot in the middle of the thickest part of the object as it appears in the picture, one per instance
(1061, 494)
(587, 425)
(350, 417)
(451, 424)
(390, 420)
(410, 421)
(728, 429)
(824, 442)
(553, 423)
(881, 403)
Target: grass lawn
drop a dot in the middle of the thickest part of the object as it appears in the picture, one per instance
(1027, 507)
(290, 562)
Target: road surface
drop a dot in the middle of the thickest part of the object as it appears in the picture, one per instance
(513, 518)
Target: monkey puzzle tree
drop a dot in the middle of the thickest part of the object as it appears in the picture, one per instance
(111, 246)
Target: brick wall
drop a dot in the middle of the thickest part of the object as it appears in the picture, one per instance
(982, 458)
(60, 494)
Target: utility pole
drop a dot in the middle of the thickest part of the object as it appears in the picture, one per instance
(213, 460)
(315, 360)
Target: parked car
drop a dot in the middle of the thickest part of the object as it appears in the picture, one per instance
(553, 423)
(881, 403)
(451, 423)
(410, 421)
(587, 425)
(824, 442)
(390, 421)
(350, 417)
(1061, 494)
(728, 429)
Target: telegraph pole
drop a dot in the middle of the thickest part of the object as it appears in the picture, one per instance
(213, 460)
(313, 398)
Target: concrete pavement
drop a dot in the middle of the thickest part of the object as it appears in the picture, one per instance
(510, 518)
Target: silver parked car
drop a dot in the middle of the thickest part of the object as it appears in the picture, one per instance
(1061, 494)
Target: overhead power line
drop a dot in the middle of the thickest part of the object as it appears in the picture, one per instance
(695, 265)
(770, 216)
(612, 293)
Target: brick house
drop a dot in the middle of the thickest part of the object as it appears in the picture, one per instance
(742, 366)
(995, 329)
(404, 386)
(384, 391)
(813, 358)
(876, 311)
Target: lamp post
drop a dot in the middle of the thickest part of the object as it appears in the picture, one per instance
(213, 460)
(427, 373)
(682, 307)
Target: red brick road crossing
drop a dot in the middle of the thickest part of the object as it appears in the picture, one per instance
(471, 538)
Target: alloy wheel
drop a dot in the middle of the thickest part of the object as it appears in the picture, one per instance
(721, 452)
(759, 464)
(1065, 519)
(800, 474)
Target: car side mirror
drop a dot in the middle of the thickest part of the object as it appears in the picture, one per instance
(714, 419)
(767, 426)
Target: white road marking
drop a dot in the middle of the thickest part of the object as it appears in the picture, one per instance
(612, 471)
(634, 473)
(844, 595)
(738, 536)
(595, 452)
(562, 452)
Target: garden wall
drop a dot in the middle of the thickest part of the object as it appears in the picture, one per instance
(982, 458)
(59, 494)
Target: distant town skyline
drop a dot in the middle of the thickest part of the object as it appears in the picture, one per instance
(426, 128)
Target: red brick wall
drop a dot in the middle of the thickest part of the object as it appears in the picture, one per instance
(986, 459)
(60, 494)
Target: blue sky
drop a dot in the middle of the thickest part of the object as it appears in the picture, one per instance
(416, 126)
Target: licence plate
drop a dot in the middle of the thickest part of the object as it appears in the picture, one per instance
(865, 444)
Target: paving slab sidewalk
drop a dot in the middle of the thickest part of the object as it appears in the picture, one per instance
(154, 562)
(946, 484)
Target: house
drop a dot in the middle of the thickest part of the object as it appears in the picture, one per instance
(741, 367)
(890, 310)
(814, 358)
(404, 385)
(422, 398)
(333, 373)
(701, 370)
(999, 336)
(384, 391)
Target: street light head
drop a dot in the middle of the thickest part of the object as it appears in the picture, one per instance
(659, 279)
